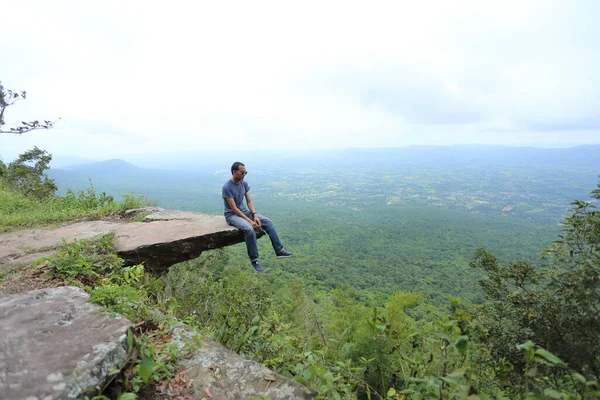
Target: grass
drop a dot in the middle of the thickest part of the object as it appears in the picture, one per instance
(19, 211)
(8, 270)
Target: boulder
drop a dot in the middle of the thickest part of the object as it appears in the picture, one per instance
(54, 344)
(217, 373)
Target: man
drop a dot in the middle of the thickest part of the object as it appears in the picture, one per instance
(246, 218)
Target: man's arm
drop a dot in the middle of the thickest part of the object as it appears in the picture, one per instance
(252, 209)
(238, 212)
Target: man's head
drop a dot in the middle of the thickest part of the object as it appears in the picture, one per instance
(238, 170)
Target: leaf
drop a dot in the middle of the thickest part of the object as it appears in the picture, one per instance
(461, 344)
(457, 373)
(549, 356)
(527, 348)
(531, 372)
(145, 368)
(450, 380)
(129, 340)
(391, 392)
(553, 394)
(580, 378)
(127, 396)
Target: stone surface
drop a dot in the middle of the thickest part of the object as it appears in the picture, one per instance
(54, 344)
(134, 211)
(168, 237)
(223, 374)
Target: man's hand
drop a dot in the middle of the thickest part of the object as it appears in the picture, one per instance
(257, 220)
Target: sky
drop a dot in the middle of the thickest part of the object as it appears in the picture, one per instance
(144, 77)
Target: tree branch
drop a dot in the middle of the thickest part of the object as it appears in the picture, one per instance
(7, 99)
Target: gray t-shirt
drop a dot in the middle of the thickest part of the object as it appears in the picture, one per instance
(237, 193)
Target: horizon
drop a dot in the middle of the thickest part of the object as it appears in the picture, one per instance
(66, 161)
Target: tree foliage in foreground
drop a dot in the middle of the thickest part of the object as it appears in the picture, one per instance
(27, 174)
(558, 307)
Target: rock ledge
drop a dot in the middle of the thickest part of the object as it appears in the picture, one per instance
(166, 238)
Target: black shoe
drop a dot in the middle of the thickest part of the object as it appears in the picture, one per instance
(284, 254)
(257, 267)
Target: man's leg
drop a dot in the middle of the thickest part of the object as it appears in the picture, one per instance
(249, 235)
(269, 227)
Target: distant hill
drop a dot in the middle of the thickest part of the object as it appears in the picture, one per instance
(587, 155)
(118, 177)
(111, 175)
(106, 166)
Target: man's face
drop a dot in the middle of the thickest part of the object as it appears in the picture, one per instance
(241, 172)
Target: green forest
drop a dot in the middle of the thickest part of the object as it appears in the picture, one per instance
(408, 283)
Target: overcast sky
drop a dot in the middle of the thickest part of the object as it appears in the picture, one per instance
(129, 77)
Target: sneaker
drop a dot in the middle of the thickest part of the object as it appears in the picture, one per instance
(284, 254)
(257, 267)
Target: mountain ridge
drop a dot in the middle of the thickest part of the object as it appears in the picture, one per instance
(454, 154)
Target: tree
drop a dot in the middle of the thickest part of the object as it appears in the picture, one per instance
(7, 99)
(557, 307)
(26, 174)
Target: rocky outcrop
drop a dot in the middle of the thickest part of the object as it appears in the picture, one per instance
(55, 345)
(220, 374)
(163, 239)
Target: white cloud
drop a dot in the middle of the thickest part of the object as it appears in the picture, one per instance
(141, 77)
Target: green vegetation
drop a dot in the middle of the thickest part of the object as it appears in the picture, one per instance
(27, 179)
(328, 341)
(94, 266)
(557, 307)
(379, 302)
(27, 196)
(333, 342)
(384, 223)
(381, 250)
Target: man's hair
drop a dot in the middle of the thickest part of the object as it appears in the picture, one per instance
(236, 165)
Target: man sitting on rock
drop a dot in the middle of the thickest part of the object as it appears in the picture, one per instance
(246, 218)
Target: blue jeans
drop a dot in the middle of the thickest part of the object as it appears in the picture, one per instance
(250, 235)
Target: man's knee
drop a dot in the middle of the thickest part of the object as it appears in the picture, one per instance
(247, 229)
(266, 221)
(241, 225)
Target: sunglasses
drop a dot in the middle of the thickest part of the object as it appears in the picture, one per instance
(242, 173)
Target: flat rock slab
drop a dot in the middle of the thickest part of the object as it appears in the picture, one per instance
(217, 373)
(54, 344)
(166, 238)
